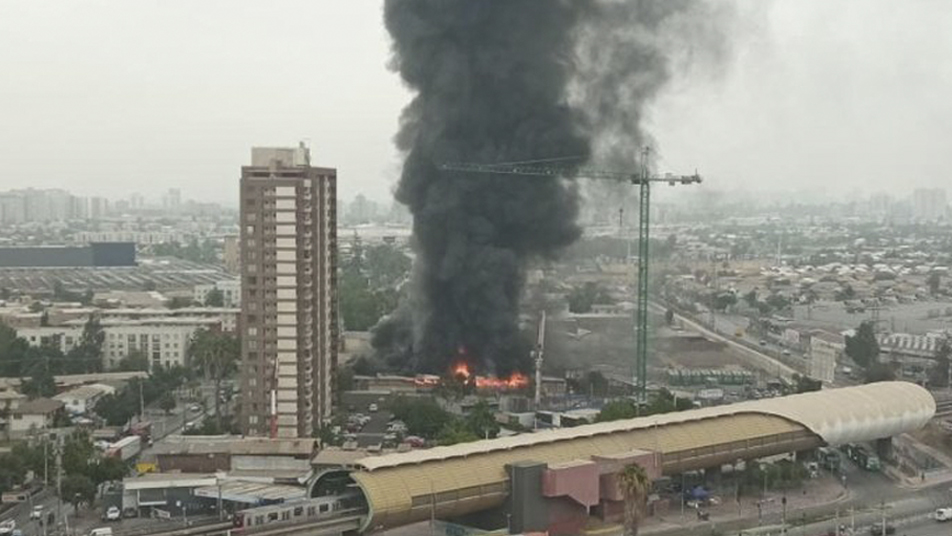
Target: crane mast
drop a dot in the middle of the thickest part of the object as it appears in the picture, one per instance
(642, 178)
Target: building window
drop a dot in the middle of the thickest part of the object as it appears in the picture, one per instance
(252, 419)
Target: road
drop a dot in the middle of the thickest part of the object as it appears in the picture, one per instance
(765, 361)
(372, 433)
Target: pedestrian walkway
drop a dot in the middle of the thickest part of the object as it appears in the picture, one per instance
(820, 493)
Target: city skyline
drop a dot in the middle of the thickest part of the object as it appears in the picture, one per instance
(824, 96)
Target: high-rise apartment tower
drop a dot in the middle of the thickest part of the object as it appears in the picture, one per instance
(289, 292)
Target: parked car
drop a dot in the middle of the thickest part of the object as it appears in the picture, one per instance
(877, 529)
(37, 512)
(372, 408)
(112, 514)
(943, 514)
(101, 531)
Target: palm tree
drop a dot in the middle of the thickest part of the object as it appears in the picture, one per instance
(215, 355)
(634, 484)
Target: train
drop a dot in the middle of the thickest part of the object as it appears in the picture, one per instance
(296, 511)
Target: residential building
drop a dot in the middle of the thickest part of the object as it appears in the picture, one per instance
(231, 254)
(825, 349)
(83, 399)
(37, 414)
(229, 288)
(289, 286)
(164, 341)
(929, 204)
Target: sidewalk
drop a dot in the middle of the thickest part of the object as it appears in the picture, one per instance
(821, 494)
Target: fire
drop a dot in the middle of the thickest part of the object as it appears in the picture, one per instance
(516, 380)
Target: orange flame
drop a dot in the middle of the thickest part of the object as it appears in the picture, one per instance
(516, 380)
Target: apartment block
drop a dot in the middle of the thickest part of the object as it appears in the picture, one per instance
(164, 341)
(289, 292)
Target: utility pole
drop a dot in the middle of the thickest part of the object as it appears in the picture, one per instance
(141, 401)
(59, 476)
(551, 168)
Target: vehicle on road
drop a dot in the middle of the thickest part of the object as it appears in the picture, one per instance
(763, 342)
(372, 408)
(112, 514)
(101, 531)
(7, 527)
(195, 408)
(876, 529)
(943, 514)
(37, 512)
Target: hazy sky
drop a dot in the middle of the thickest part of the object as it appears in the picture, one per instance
(109, 98)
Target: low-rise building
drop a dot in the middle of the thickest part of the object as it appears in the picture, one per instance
(83, 399)
(33, 415)
(229, 288)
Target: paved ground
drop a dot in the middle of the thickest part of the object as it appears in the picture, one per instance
(372, 433)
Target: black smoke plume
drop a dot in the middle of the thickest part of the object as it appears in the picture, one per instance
(494, 82)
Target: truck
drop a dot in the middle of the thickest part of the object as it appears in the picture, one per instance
(126, 448)
(142, 429)
(828, 459)
(865, 459)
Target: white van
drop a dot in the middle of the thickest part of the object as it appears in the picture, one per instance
(943, 514)
(101, 531)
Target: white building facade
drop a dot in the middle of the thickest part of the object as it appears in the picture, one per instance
(164, 341)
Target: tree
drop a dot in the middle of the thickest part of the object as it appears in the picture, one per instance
(481, 421)
(78, 489)
(41, 384)
(751, 298)
(939, 375)
(845, 293)
(86, 356)
(634, 484)
(387, 266)
(863, 347)
(215, 356)
(167, 403)
(108, 469)
(934, 281)
(455, 431)
(617, 410)
(582, 298)
(215, 298)
(423, 416)
(135, 361)
(178, 302)
(724, 300)
(880, 372)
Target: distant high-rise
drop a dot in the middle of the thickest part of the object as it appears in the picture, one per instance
(289, 287)
(929, 204)
(172, 200)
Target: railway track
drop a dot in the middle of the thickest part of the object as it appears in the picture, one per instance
(943, 408)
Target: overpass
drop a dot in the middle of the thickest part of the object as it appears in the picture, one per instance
(463, 479)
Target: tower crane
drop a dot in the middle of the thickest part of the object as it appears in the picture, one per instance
(642, 178)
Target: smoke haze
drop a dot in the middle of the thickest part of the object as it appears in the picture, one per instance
(502, 81)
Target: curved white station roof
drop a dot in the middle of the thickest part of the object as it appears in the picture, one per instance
(837, 416)
(853, 414)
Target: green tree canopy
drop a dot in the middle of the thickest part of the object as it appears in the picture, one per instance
(863, 347)
(215, 298)
(215, 355)
(423, 416)
(78, 489)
